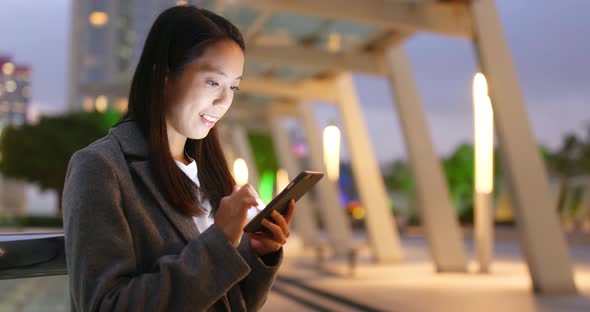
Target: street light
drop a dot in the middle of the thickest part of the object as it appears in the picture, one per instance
(101, 104)
(484, 171)
(8, 68)
(240, 172)
(98, 19)
(332, 152)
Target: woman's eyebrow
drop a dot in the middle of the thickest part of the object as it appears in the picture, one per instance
(210, 68)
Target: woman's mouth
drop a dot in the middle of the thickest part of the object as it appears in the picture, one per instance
(208, 120)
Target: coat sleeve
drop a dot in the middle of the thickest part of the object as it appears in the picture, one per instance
(100, 255)
(256, 286)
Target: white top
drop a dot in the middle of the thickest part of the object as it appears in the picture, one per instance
(204, 221)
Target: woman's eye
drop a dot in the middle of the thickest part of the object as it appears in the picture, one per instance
(212, 83)
(236, 88)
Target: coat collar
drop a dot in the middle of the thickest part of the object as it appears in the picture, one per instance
(134, 145)
(132, 140)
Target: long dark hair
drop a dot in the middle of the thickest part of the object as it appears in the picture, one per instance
(179, 36)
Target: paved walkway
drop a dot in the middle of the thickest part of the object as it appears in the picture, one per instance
(414, 286)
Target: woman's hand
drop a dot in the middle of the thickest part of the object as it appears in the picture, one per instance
(232, 212)
(266, 243)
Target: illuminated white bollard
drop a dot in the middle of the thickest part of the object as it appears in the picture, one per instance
(484, 172)
(332, 152)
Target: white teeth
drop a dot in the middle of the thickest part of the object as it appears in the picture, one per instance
(209, 118)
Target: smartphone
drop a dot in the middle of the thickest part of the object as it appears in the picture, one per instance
(294, 190)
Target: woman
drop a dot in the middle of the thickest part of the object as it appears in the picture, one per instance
(144, 229)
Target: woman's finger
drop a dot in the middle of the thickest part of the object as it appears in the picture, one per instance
(280, 221)
(290, 211)
(276, 231)
(265, 240)
(250, 190)
(249, 201)
(264, 243)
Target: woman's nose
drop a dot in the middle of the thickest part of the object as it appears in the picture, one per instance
(224, 98)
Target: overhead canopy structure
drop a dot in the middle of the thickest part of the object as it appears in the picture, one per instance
(294, 46)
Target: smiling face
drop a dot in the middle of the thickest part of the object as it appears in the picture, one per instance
(204, 91)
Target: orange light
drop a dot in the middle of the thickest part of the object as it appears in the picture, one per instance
(98, 18)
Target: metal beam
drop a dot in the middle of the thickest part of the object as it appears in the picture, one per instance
(257, 26)
(543, 241)
(305, 220)
(451, 19)
(316, 59)
(331, 212)
(380, 222)
(313, 89)
(287, 109)
(436, 211)
(380, 42)
(251, 115)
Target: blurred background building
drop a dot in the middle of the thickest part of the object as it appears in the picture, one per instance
(106, 40)
(15, 92)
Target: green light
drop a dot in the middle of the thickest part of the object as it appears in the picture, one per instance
(266, 187)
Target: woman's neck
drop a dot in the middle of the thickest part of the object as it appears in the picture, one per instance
(176, 142)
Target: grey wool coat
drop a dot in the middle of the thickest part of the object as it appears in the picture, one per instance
(128, 249)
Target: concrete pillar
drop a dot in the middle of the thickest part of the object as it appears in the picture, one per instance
(437, 214)
(243, 150)
(542, 239)
(380, 222)
(331, 212)
(304, 220)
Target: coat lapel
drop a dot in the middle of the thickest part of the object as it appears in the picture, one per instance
(185, 224)
(134, 145)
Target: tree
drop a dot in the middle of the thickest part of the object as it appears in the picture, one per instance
(570, 160)
(399, 181)
(400, 178)
(459, 171)
(584, 160)
(40, 153)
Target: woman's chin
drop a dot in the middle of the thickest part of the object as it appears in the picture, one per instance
(199, 134)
